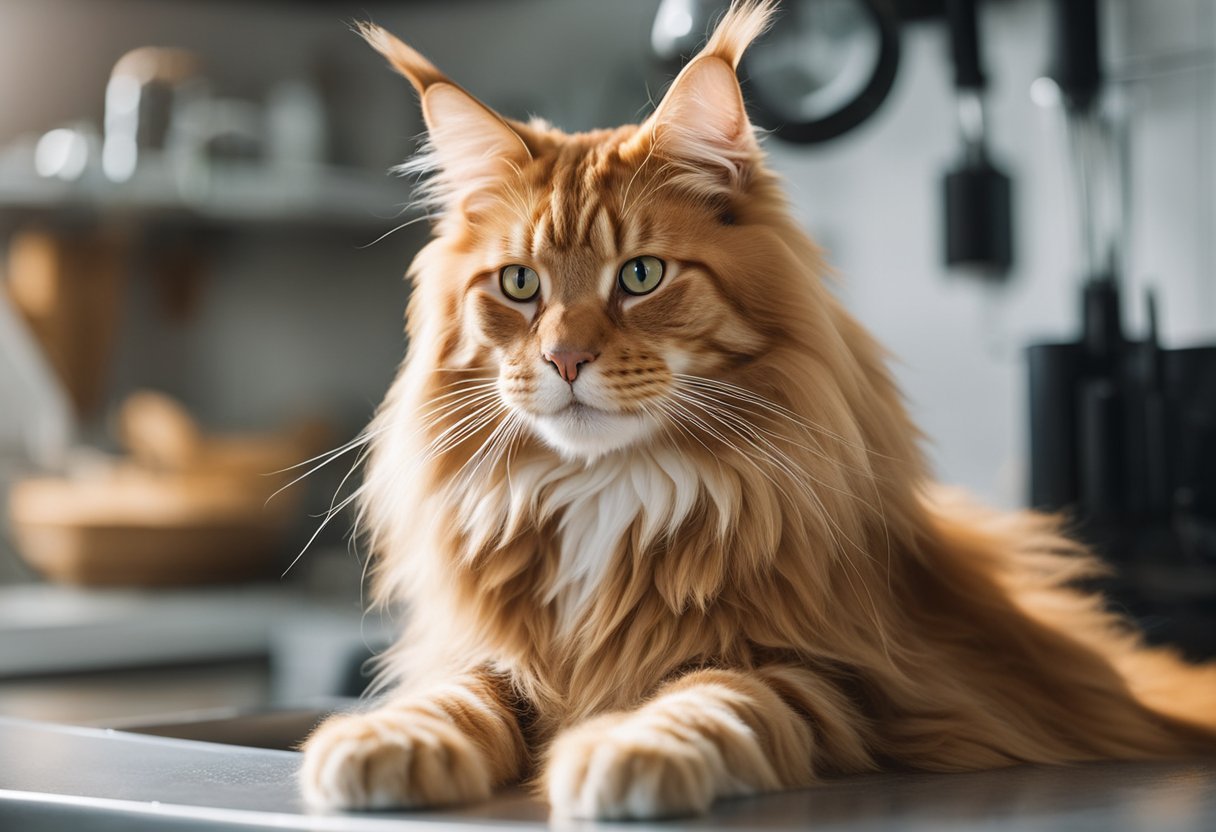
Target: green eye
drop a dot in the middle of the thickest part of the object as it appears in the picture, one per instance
(519, 283)
(641, 275)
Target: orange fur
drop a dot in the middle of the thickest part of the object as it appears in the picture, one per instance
(726, 570)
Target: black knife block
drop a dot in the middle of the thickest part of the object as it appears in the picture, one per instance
(1123, 443)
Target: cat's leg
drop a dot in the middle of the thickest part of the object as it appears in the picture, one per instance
(451, 744)
(710, 734)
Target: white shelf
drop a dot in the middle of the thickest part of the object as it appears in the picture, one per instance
(235, 194)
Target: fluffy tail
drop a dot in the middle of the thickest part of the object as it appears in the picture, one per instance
(1077, 661)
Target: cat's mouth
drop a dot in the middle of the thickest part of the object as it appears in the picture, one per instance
(582, 410)
(582, 430)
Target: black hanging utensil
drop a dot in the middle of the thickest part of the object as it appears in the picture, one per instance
(978, 195)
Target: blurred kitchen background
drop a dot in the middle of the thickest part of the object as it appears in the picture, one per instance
(201, 258)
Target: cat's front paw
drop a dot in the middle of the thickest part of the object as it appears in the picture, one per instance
(390, 759)
(632, 771)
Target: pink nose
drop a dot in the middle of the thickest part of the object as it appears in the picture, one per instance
(567, 362)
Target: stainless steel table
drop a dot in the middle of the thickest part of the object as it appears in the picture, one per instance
(54, 777)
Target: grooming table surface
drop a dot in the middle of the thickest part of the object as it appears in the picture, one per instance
(55, 777)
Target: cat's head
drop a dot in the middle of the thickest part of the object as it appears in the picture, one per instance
(599, 274)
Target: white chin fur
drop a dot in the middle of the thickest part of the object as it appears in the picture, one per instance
(589, 433)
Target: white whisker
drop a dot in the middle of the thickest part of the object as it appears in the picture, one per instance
(393, 231)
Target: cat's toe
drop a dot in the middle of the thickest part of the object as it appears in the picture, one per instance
(383, 760)
(623, 774)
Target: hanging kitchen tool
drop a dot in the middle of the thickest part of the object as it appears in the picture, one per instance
(977, 193)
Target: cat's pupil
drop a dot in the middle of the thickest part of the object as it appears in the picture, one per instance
(639, 271)
(520, 282)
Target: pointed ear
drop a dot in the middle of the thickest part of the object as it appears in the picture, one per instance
(701, 125)
(468, 144)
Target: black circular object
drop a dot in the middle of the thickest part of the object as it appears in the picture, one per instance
(767, 112)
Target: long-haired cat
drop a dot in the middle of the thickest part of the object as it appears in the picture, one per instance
(659, 514)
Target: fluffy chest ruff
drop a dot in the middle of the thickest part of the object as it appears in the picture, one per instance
(590, 581)
(593, 523)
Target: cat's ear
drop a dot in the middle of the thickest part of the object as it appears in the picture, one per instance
(701, 124)
(469, 145)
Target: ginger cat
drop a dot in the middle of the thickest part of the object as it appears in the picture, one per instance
(659, 514)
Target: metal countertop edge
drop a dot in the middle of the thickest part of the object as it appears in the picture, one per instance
(146, 739)
(250, 817)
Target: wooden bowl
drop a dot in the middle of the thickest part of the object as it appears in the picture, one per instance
(134, 527)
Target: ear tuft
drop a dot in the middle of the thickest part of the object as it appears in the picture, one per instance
(402, 57)
(743, 22)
